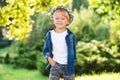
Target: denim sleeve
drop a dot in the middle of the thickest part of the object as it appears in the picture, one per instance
(74, 47)
(46, 52)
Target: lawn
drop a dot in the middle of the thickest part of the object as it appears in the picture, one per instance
(9, 73)
(102, 76)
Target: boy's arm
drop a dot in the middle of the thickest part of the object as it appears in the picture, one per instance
(74, 47)
(46, 52)
(46, 48)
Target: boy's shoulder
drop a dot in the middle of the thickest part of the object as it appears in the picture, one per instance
(70, 32)
(48, 32)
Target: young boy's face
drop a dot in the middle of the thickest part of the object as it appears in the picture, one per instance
(60, 20)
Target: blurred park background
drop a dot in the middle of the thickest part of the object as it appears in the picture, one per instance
(24, 23)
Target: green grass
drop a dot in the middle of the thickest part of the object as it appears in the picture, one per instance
(7, 72)
(102, 76)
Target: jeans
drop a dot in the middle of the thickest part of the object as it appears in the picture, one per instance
(60, 71)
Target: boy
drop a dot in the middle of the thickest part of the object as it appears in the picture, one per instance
(60, 46)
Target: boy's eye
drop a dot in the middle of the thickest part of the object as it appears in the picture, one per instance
(56, 18)
(63, 19)
(60, 18)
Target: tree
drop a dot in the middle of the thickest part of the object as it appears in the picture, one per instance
(109, 10)
(2, 3)
(87, 26)
(16, 15)
(76, 4)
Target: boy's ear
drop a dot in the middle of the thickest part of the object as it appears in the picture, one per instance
(68, 23)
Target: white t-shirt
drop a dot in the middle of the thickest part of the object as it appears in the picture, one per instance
(59, 47)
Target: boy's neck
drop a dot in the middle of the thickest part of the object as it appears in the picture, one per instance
(59, 30)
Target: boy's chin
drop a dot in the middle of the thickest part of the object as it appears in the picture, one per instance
(60, 27)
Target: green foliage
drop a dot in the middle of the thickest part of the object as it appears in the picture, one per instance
(16, 15)
(28, 53)
(26, 56)
(76, 4)
(97, 56)
(87, 25)
(110, 13)
(41, 64)
(5, 43)
(42, 24)
(4, 56)
(2, 3)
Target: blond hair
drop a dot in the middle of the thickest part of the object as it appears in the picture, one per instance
(64, 13)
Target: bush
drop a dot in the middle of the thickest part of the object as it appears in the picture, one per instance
(28, 53)
(87, 25)
(29, 57)
(41, 64)
(5, 43)
(26, 56)
(97, 56)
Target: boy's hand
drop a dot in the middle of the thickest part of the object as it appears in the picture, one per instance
(51, 61)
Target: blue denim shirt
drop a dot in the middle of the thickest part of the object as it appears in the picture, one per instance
(71, 44)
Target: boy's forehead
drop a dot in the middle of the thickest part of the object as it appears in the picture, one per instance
(65, 11)
(61, 14)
